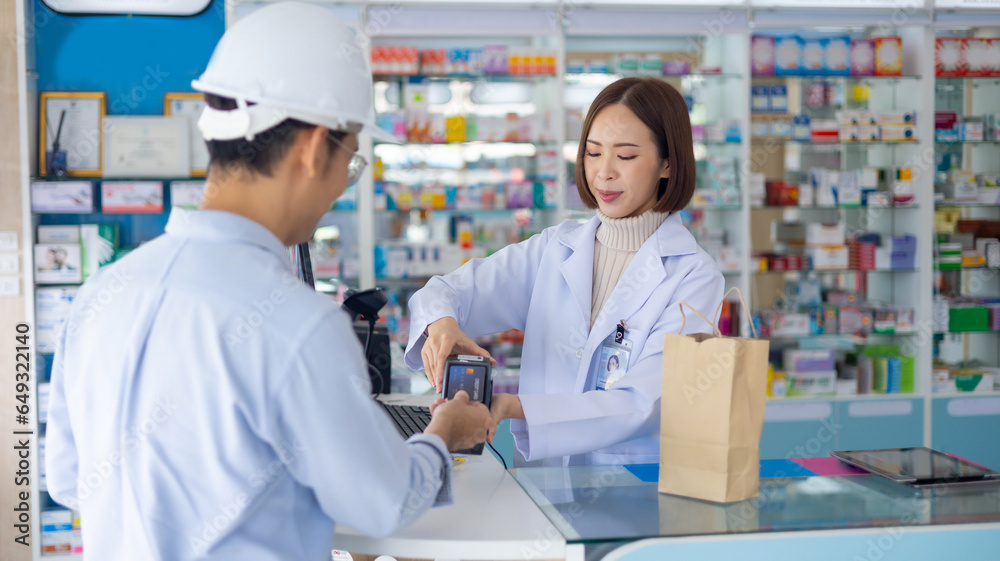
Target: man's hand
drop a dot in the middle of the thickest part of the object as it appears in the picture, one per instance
(459, 423)
(445, 338)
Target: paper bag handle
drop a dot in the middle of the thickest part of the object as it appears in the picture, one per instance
(714, 324)
(746, 308)
(715, 330)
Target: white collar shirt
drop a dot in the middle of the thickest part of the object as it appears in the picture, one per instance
(206, 404)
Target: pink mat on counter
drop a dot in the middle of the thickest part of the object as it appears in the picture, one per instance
(828, 466)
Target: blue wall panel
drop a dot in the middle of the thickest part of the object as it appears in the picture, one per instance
(135, 59)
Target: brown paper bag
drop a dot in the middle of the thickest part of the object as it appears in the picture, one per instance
(711, 414)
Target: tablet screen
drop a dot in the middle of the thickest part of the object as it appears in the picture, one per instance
(915, 463)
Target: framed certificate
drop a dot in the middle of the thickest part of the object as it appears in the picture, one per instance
(69, 133)
(190, 105)
(147, 147)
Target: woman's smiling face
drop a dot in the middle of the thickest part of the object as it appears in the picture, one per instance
(622, 165)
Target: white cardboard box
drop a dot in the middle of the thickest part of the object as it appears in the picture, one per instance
(58, 264)
(828, 257)
(52, 306)
(132, 196)
(62, 197)
(58, 234)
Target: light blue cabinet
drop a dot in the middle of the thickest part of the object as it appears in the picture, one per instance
(798, 429)
(968, 427)
(891, 423)
(805, 429)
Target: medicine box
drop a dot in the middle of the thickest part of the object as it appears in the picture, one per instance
(949, 56)
(848, 133)
(186, 194)
(862, 57)
(58, 234)
(762, 55)
(818, 234)
(52, 306)
(813, 57)
(760, 98)
(968, 318)
(809, 360)
(828, 257)
(779, 98)
(132, 197)
(58, 263)
(897, 118)
(973, 381)
(869, 134)
(57, 528)
(853, 319)
(977, 53)
(821, 383)
(800, 127)
(788, 56)
(790, 324)
(837, 56)
(898, 133)
(972, 130)
(62, 197)
(888, 56)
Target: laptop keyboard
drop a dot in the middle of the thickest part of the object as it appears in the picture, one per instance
(409, 419)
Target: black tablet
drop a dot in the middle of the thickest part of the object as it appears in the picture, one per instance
(919, 467)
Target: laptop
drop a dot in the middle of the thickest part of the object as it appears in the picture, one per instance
(408, 419)
(919, 467)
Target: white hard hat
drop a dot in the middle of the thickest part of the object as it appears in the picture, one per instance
(292, 60)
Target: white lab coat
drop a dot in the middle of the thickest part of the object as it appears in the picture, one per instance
(543, 286)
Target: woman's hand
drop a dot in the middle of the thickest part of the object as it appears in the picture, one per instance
(445, 338)
(504, 406)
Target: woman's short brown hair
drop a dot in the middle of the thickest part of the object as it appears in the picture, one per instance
(661, 108)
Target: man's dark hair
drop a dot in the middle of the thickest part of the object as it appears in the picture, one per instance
(267, 148)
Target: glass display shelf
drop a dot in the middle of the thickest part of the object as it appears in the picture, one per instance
(592, 504)
(835, 271)
(838, 77)
(583, 76)
(762, 139)
(465, 76)
(404, 143)
(853, 338)
(720, 207)
(787, 207)
(855, 397)
(959, 204)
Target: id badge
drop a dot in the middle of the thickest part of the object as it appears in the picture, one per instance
(613, 358)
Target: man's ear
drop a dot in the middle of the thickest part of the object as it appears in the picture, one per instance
(665, 170)
(311, 151)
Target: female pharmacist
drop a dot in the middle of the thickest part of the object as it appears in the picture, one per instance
(580, 292)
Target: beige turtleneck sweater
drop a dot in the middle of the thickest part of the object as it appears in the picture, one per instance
(618, 240)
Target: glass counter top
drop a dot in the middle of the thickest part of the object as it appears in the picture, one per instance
(609, 503)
